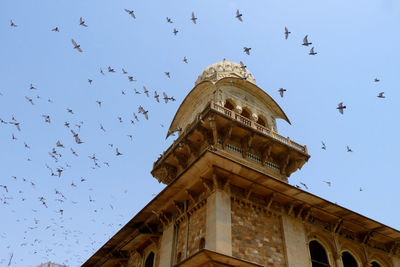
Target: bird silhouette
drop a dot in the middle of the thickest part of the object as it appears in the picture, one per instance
(82, 22)
(55, 29)
(312, 52)
(287, 32)
(247, 50)
(76, 46)
(341, 107)
(305, 41)
(185, 60)
(380, 95)
(175, 32)
(130, 12)
(323, 145)
(169, 20)
(193, 18)
(12, 24)
(281, 91)
(239, 15)
(349, 149)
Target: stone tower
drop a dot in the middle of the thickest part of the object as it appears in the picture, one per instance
(227, 201)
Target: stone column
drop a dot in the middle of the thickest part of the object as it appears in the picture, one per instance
(166, 247)
(297, 252)
(218, 223)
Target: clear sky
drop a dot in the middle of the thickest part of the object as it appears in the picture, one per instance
(356, 41)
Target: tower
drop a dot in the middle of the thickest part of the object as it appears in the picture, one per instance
(227, 200)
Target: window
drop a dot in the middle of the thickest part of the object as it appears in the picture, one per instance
(229, 105)
(149, 260)
(245, 113)
(202, 243)
(375, 264)
(318, 255)
(261, 121)
(348, 260)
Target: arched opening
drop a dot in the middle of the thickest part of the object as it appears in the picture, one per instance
(229, 104)
(261, 121)
(348, 260)
(179, 257)
(149, 260)
(375, 264)
(245, 113)
(202, 243)
(318, 254)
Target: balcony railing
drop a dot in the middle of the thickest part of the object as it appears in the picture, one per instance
(257, 127)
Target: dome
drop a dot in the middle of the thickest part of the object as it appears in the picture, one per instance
(220, 70)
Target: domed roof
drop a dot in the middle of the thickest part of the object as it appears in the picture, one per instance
(224, 69)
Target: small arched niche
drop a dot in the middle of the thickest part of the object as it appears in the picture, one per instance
(149, 260)
(348, 260)
(262, 121)
(246, 113)
(319, 258)
(375, 264)
(229, 104)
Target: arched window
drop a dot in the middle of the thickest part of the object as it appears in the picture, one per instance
(202, 243)
(318, 255)
(149, 260)
(375, 264)
(245, 113)
(229, 105)
(261, 121)
(348, 260)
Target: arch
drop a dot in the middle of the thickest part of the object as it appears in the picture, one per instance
(229, 104)
(375, 264)
(202, 243)
(149, 260)
(349, 260)
(326, 242)
(262, 121)
(246, 113)
(319, 257)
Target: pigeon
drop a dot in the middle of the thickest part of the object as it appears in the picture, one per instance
(167, 73)
(303, 184)
(381, 95)
(12, 24)
(130, 12)
(247, 50)
(144, 112)
(110, 69)
(323, 145)
(312, 52)
(74, 153)
(349, 149)
(145, 91)
(169, 20)
(328, 183)
(193, 18)
(340, 107)
(99, 103)
(175, 31)
(30, 100)
(47, 118)
(76, 46)
(32, 87)
(90, 81)
(287, 32)
(58, 144)
(82, 22)
(134, 115)
(55, 29)
(70, 110)
(305, 41)
(130, 136)
(77, 139)
(131, 79)
(376, 80)
(185, 60)
(102, 128)
(101, 71)
(239, 15)
(281, 90)
(124, 71)
(136, 91)
(16, 125)
(117, 152)
(156, 96)
(242, 66)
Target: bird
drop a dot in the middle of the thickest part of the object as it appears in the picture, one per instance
(101, 71)
(55, 29)
(47, 118)
(169, 20)
(99, 103)
(13, 137)
(157, 96)
(175, 31)
(124, 71)
(281, 90)
(31, 87)
(328, 183)
(70, 111)
(303, 184)
(340, 107)
(185, 60)
(130, 12)
(312, 52)
(361, 189)
(30, 100)
(145, 91)
(287, 32)
(349, 149)
(130, 136)
(76, 46)
(381, 95)
(247, 50)
(135, 116)
(144, 112)
(131, 79)
(26, 145)
(74, 153)
(12, 24)
(136, 91)
(167, 74)
(102, 128)
(82, 22)
(120, 119)
(305, 41)
(123, 92)
(110, 69)
(90, 81)
(376, 80)
(17, 124)
(242, 66)
(58, 144)
(239, 15)
(77, 139)
(117, 152)
(323, 145)
(194, 19)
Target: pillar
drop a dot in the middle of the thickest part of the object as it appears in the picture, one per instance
(166, 247)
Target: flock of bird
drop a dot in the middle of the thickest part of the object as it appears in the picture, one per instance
(57, 166)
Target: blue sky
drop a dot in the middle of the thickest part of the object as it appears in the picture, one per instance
(356, 41)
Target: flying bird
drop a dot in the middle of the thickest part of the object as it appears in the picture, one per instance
(312, 52)
(110, 69)
(90, 81)
(30, 100)
(76, 46)
(328, 183)
(287, 32)
(169, 20)
(77, 139)
(12, 24)
(242, 66)
(281, 90)
(340, 107)
(349, 149)
(32, 87)
(157, 96)
(381, 95)
(101, 71)
(323, 145)
(247, 50)
(376, 80)
(58, 144)
(175, 31)
(145, 91)
(124, 71)
(239, 15)
(130, 12)
(167, 74)
(193, 18)
(305, 41)
(55, 29)
(185, 60)
(117, 152)
(303, 184)
(82, 22)
(131, 79)
(99, 103)
(136, 91)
